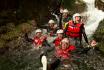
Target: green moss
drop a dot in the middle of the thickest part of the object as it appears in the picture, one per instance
(10, 35)
(99, 35)
(2, 42)
(14, 33)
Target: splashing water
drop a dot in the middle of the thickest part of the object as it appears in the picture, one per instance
(94, 17)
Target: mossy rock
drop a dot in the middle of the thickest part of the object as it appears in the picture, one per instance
(2, 43)
(14, 33)
(99, 35)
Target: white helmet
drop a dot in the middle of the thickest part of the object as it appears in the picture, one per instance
(77, 14)
(38, 30)
(66, 40)
(51, 21)
(60, 31)
(65, 11)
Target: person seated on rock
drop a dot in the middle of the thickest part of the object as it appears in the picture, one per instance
(39, 39)
(65, 17)
(59, 37)
(65, 49)
(52, 28)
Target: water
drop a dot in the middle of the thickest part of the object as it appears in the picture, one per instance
(25, 57)
(94, 17)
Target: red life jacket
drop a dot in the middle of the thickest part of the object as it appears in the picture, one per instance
(64, 54)
(57, 41)
(51, 33)
(71, 48)
(73, 30)
(38, 41)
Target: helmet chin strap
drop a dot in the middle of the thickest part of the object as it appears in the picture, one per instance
(44, 62)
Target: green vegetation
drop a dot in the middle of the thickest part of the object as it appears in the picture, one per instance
(99, 36)
(13, 32)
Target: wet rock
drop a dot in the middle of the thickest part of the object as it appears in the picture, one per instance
(100, 4)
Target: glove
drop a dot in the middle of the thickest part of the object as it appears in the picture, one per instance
(88, 46)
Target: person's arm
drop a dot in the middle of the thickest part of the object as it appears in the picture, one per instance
(69, 18)
(27, 38)
(46, 43)
(53, 41)
(84, 34)
(60, 21)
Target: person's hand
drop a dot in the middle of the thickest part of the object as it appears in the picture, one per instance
(55, 26)
(88, 46)
(61, 10)
(43, 38)
(93, 43)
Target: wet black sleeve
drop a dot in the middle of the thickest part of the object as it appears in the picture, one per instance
(28, 39)
(46, 44)
(54, 41)
(84, 34)
(60, 21)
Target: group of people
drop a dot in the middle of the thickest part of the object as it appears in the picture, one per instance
(64, 40)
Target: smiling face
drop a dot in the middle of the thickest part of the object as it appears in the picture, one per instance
(64, 45)
(38, 34)
(77, 19)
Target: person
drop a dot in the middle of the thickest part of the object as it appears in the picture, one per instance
(75, 30)
(65, 17)
(93, 43)
(62, 54)
(52, 27)
(39, 39)
(65, 49)
(58, 38)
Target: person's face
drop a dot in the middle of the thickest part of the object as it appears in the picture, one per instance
(33, 22)
(77, 18)
(60, 35)
(51, 25)
(64, 45)
(38, 34)
(65, 15)
(93, 43)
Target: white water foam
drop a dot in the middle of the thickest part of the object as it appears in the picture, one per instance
(94, 17)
